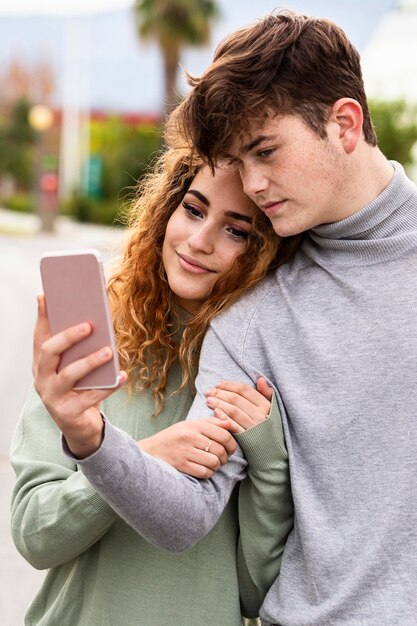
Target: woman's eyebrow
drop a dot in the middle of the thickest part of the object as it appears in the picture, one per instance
(239, 216)
(200, 196)
(233, 214)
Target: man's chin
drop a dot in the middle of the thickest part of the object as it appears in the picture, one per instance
(286, 230)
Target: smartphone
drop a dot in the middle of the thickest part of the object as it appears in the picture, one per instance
(75, 292)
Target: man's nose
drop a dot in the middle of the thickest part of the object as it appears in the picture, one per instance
(253, 181)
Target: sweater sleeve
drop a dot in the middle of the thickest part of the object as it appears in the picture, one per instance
(265, 510)
(56, 513)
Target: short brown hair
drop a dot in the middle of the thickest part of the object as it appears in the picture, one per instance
(285, 63)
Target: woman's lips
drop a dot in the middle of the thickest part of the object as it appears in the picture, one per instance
(191, 265)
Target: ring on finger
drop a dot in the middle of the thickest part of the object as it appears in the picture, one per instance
(207, 448)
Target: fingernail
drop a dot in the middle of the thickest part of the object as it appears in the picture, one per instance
(83, 328)
(209, 392)
(105, 353)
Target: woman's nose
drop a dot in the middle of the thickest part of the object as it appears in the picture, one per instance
(202, 239)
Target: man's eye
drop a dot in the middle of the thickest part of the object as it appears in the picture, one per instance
(265, 153)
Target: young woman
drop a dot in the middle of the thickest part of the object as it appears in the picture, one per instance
(196, 243)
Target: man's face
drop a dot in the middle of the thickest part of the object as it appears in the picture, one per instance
(298, 179)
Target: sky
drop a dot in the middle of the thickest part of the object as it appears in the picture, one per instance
(68, 7)
(59, 7)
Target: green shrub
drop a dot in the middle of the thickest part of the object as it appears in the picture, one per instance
(396, 128)
(20, 202)
(126, 152)
(83, 209)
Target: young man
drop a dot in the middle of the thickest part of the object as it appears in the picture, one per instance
(333, 330)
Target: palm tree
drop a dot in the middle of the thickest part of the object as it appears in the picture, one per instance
(174, 24)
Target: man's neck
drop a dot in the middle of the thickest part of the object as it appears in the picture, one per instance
(369, 174)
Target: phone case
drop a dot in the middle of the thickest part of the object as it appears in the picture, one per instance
(75, 292)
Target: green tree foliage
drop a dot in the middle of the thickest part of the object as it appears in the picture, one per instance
(16, 141)
(174, 24)
(396, 127)
(126, 152)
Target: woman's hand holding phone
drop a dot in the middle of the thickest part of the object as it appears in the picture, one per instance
(76, 412)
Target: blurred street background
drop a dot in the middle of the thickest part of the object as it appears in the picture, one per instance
(84, 90)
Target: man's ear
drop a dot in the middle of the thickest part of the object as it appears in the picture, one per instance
(347, 114)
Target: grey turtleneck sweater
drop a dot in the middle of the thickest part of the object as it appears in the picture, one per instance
(335, 332)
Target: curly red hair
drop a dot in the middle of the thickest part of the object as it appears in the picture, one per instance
(144, 312)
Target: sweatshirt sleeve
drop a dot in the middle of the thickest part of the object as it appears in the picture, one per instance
(56, 513)
(168, 508)
(265, 510)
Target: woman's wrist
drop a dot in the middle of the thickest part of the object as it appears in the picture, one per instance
(84, 442)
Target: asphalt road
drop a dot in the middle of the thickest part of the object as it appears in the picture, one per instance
(21, 246)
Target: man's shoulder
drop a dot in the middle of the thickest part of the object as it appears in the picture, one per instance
(243, 310)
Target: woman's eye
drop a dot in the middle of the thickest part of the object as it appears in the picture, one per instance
(192, 210)
(238, 233)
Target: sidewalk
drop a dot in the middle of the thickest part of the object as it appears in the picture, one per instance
(14, 223)
(24, 224)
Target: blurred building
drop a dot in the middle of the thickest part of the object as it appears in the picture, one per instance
(389, 59)
(100, 63)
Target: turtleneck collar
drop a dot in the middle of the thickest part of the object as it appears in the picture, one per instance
(384, 229)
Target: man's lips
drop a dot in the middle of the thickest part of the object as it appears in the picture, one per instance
(272, 208)
(191, 265)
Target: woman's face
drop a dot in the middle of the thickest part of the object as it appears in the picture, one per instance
(205, 234)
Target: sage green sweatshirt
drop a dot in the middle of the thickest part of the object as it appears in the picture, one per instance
(102, 572)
